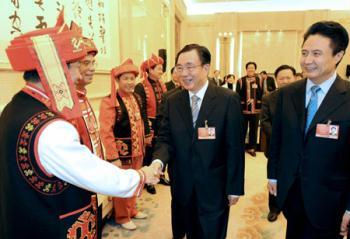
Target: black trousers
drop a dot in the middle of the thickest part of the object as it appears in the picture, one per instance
(273, 204)
(298, 224)
(251, 121)
(197, 223)
(147, 160)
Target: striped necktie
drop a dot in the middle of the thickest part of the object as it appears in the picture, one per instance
(194, 108)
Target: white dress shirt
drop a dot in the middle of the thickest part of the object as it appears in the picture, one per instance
(325, 86)
(60, 153)
(200, 94)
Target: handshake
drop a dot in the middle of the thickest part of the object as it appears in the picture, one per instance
(152, 173)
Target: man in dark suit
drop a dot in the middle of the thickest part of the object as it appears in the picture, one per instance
(309, 167)
(201, 138)
(174, 80)
(284, 74)
(267, 83)
(248, 87)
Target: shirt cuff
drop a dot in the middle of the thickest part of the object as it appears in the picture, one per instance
(158, 161)
(273, 181)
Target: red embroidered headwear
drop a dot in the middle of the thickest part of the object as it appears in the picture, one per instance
(126, 67)
(48, 51)
(89, 44)
(149, 63)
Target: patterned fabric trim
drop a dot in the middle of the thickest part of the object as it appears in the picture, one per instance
(136, 125)
(151, 97)
(86, 225)
(41, 183)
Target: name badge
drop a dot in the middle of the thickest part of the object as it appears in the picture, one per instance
(206, 132)
(329, 131)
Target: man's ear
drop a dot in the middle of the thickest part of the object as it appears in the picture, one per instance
(339, 56)
(206, 67)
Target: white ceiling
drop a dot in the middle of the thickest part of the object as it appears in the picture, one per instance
(216, 6)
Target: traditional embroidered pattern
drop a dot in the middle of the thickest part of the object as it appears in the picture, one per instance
(42, 184)
(90, 124)
(153, 96)
(85, 226)
(122, 147)
(136, 126)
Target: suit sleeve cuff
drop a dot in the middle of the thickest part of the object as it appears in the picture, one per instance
(158, 161)
(272, 180)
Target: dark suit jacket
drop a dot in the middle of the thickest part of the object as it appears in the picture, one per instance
(212, 81)
(270, 84)
(170, 85)
(214, 168)
(323, 165)
(268, 108)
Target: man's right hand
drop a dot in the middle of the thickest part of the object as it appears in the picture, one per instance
(152, 176)
(272, 187)
(157, 167)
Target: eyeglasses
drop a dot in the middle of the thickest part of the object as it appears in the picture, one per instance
(188, 68)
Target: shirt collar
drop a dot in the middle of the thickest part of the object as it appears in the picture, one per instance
(36, 89)
(201, 92)
(324, 86)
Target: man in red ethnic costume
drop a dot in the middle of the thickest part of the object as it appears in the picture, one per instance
(151, 89)
(123, 128)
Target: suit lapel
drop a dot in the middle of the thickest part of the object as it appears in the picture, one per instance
(334, 98)
(184, 109)
(207, 105)
(299, 103)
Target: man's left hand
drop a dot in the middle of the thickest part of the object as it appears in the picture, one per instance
(344, 227)
(232, 200)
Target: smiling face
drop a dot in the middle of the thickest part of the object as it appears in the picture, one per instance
(251, 70)
(87, 71)
(74, 71)
(317, 60)
(126, 82)
(193, 75)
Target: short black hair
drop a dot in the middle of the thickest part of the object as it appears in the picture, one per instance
(284, 67)
(251, 63)
(229, 75)
(334, 31)
(263, 72)
(299, 74)
(172, 70)
(31, 76)
(152, 67)
(203, 53)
